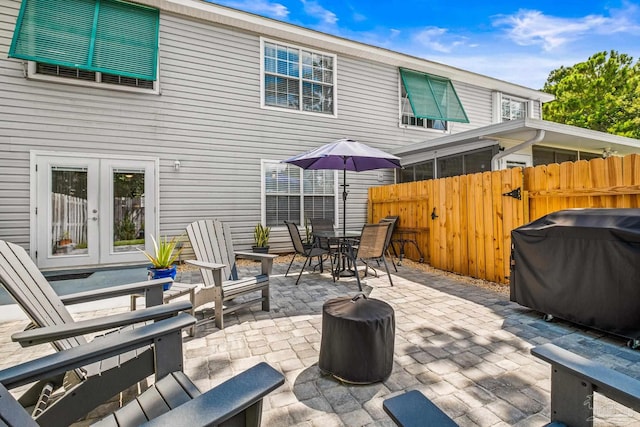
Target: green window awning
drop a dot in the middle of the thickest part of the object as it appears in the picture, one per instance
(432, 97)
(107, 36)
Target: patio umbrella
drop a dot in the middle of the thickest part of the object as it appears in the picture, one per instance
(345, 154)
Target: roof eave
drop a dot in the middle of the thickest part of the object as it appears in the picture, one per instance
(268, 27)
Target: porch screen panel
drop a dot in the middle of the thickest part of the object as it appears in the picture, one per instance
(94, 35)
(432, 97)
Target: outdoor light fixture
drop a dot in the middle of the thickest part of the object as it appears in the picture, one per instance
(176, 165)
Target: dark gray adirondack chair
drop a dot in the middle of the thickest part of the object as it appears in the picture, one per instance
(213, 247)
(94, 384)
(172, 400)
(574, 380)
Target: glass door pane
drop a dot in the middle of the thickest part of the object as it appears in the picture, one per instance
(66, 211)
(69, 211)
(127, 200)
(128, 210)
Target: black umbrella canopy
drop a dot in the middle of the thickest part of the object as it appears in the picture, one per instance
(345, 154)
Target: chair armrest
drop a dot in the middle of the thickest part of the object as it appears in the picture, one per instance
(148, 286)
(255, 256)
(613, 384)
(224, 401)
(57, 332)
(207, 265)
(94, 351)
(267, 260)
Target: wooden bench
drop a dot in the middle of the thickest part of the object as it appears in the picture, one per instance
(413, 409)
(574, 379)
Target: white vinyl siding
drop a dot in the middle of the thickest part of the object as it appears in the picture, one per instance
(209, 117)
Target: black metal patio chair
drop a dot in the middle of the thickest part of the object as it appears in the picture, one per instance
(308, 253)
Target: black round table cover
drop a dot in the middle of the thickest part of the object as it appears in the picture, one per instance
(357, 339)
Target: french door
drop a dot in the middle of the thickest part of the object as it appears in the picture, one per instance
(92, 211)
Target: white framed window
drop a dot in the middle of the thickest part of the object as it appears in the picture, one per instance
(513, 108)
(408, 119)
(76, 76)
(293, 194)
(297, 79)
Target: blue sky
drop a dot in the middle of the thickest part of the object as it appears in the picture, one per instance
(514, 41)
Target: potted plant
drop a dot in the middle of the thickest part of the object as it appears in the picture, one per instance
(65, 239)
(163, 258)
(308, 236)
(261, 239)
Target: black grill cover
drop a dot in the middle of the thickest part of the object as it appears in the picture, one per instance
(581, 265)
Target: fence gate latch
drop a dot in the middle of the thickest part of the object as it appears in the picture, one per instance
(516, 194)
(433, 214)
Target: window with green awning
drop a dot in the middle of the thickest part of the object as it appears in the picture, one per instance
(432, 97)
(105, 36)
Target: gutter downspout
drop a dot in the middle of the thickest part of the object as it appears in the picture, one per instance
(495, 160)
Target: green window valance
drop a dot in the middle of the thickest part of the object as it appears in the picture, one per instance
(432, 97)
(107, 36)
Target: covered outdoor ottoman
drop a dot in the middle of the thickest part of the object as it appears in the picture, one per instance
(581, 265)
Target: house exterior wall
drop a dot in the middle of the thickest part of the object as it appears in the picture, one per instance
(207, 116)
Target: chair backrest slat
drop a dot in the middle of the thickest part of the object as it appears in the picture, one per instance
(322, 224)
(30, 289)
(211, 242)
(393, 220)
(372, 240)
(295, 237)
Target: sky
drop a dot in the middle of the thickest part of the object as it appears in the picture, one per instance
(520, 42)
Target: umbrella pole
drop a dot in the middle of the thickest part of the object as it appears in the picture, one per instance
(344, 199)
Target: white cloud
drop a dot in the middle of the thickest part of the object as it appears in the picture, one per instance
(438, 39)
(523, 69)
(532, 27)
(314, 9)
(261, 7)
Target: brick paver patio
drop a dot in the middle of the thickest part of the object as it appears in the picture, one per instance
(466, 348)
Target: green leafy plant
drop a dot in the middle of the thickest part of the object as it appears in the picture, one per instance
(261, 236)
(165, 252)
(308, 238)
(126, 229)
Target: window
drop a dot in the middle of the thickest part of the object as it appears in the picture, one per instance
(293, 194)
(298, 79)
(39, 70)
(432, 99)
(513, 108)
(103, 41)
(408, 119)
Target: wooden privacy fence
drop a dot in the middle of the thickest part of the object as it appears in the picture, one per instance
(464, 223)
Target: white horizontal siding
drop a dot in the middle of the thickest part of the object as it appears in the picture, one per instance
(208, 116)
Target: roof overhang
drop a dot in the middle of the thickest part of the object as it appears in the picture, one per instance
(228, 17)
(516, 132)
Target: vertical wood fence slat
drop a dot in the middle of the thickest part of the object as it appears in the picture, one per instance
(471, 233)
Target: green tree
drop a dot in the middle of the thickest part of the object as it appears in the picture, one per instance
(602, 93)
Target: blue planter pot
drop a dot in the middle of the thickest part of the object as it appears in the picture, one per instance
(161, 273)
